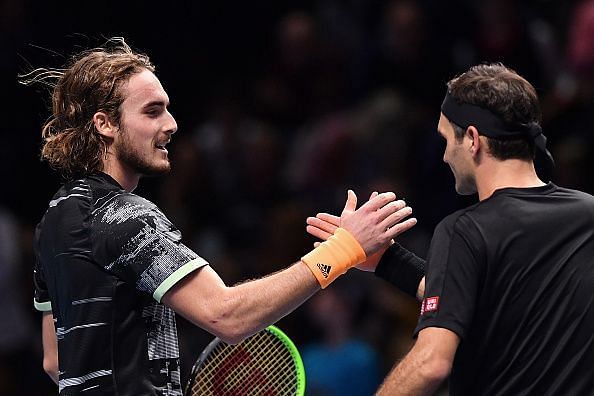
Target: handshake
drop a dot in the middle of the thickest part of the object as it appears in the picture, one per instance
(358, 238)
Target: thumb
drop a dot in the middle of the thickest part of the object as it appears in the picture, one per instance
(351, 202)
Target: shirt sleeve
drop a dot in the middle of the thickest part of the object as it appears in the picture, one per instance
(41, 299)
(134, 240)
(453, 277)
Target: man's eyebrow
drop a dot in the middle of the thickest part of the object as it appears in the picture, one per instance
(158, 103)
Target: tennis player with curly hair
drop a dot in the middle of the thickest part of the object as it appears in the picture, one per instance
(111, 269)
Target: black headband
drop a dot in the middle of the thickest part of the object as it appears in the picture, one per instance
(487, 123)
(493, 126)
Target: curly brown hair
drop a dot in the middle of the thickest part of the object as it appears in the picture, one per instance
(89, 84)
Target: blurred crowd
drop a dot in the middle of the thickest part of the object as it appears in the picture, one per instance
(281, 110)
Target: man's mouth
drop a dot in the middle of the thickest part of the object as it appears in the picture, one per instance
(161, 146)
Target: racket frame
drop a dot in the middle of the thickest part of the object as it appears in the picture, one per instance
(280, 335)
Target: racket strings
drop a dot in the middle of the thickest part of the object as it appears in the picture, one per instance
(277, 366)
(266, 362)
(260, 366)
(272, 362)
(242, 377)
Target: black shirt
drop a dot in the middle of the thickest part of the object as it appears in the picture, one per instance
(513, 277)
(105, 257)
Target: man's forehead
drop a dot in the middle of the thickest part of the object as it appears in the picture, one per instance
(144, 87)
(443, 122)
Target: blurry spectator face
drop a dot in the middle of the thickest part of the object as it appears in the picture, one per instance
(457, 158)
(145, 126)
(404, 29)
(296, 39)
(499, 28)
(581, 39)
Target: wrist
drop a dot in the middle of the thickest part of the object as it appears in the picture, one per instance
(334, 257)
(402, 268)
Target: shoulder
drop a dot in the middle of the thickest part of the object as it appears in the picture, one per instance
(575, 194)
(124, 208)
(69, 205)
(65, 219)
(124, 218)
(74, 191)
(459, 220)
(465, 227)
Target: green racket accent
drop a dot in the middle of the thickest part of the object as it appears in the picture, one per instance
(296, 357)
(265, 364)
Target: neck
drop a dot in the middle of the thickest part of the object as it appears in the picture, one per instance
(125, 177)
(494, 174)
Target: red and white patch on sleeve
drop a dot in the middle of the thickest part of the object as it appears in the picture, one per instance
(429, 304)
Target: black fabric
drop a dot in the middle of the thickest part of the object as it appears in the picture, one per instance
(493, 126)
(513, 277)
(401, 268)
(488, 123)
(103, 255)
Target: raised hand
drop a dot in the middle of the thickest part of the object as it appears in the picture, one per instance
(374, 224)
(324, 224)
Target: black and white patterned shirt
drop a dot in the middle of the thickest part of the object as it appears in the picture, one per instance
(105, 258)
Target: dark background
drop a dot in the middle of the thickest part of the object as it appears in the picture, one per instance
(281, 107)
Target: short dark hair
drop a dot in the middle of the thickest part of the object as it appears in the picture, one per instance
(506, 94)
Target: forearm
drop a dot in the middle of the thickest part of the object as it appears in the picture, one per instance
(234, 313)
(50, 346)
(425, 367)
(408, 378)
(404, 270)
(267, 300)
(421, 290)
(251, 306)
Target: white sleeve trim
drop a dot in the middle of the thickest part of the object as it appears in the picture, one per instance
(42, 306)
(179, 274)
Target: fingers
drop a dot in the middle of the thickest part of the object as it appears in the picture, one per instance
(321, 225)
(351, 203)
(318, 233)
(399, 228)
(334, 220)
(379, 201)
(388, 210)
(380, 216)
(394, 212)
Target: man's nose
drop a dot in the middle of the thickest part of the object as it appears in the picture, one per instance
(171, 124)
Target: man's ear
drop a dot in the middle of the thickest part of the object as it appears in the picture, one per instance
(474, 140)
(104, 125)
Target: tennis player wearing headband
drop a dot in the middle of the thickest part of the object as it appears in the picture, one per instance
(111, 269)
(507, 301)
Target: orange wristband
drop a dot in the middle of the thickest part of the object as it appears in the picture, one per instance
(334, 257)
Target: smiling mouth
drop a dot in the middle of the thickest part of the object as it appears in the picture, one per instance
(162, 146)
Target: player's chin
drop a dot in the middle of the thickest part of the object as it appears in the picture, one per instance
(157, 169)
(465, 188)
(163, 168)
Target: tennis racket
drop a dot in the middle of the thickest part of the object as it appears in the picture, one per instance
(265, 364)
